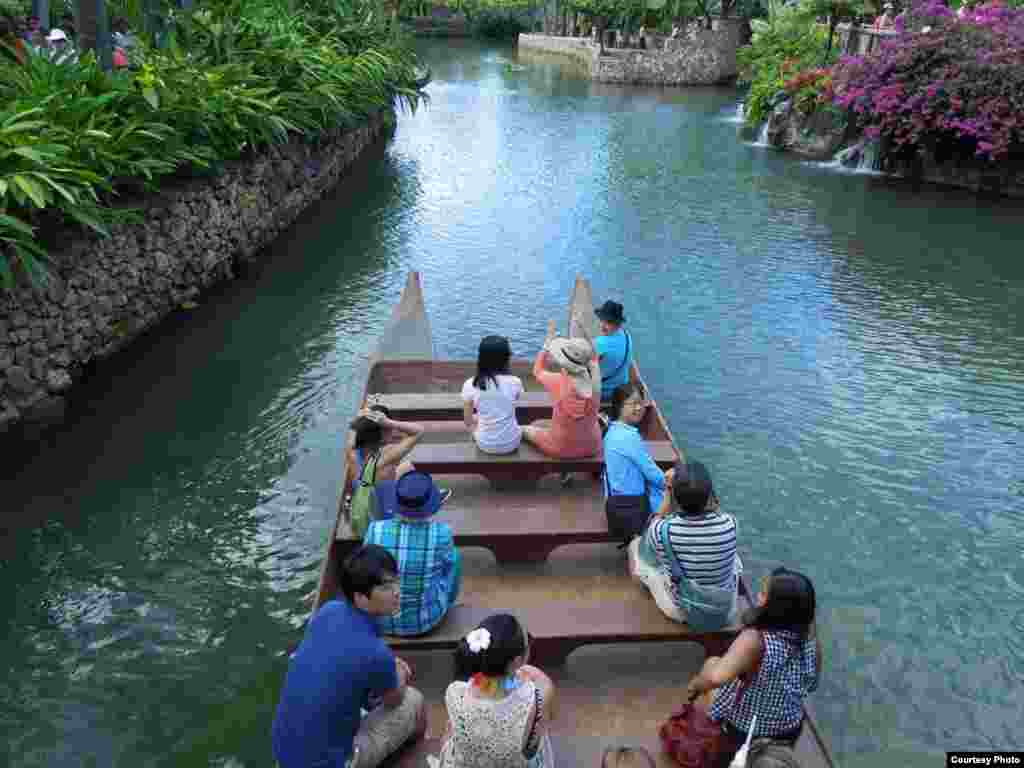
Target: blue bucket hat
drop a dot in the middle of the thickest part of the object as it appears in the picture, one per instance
(417, 495)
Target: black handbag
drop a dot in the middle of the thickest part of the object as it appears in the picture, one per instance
(627, 515)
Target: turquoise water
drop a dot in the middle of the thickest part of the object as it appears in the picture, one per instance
(843, 352)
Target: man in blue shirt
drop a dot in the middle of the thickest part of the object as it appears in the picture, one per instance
(342, 667)
(614, 348)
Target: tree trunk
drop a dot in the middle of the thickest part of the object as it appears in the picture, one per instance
(94, 31)
(41, 10)
(832, 22)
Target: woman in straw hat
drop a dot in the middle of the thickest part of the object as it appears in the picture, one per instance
(572, 432)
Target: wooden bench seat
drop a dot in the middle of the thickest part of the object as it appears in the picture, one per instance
(516, 526)
(586, 751)
(462, 457)
(447, 406)
(558, 627)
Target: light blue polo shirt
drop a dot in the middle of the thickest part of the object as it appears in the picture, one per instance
(629, 468)
(616, 352)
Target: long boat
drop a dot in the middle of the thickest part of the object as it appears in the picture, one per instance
(551, 558)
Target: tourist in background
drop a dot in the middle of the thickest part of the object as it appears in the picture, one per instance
(429, 568)
(614, 348)
(573, 431)
(345, 692)
(499, 707)
(769, 669)
(489, 398)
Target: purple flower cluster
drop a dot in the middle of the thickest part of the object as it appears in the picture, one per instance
(961, 78)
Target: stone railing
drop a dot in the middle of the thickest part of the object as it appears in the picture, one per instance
(105, 292)
(700, 57)
(858, 41)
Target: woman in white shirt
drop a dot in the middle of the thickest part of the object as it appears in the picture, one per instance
(489, 399)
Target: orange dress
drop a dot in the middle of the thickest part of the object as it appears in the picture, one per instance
(574, 432)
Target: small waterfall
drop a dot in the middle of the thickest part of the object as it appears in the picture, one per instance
(863, 157)
(762, 134)
(740, 112)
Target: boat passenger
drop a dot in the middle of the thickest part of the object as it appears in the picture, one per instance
(614, 348)
(499, 706)
(489, 398)
(345, 692)
(628, 467)
(429, 567)
(573, 431)
(687, 559)
(387, 442)
(769, 669)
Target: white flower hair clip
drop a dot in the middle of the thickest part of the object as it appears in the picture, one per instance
(478, 640)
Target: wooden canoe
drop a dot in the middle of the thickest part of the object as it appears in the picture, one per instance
(583, 574)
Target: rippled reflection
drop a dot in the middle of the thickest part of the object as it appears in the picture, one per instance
(844, 352)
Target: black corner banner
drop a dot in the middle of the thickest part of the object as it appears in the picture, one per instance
(987, 759)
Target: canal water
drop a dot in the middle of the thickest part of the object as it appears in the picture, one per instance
(845, 353)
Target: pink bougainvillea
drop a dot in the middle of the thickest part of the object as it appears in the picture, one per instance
(961, 80)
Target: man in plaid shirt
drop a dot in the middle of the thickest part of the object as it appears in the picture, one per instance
(428, 562)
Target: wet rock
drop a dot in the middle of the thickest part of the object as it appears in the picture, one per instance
(19, 380)
(58, 380)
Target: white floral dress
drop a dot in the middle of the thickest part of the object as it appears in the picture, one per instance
(496, 733)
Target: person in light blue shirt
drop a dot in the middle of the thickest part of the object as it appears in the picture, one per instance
(614, 348)
(629, 468)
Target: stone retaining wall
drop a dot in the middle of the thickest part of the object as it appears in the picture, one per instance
(108, 291)
(702, 57)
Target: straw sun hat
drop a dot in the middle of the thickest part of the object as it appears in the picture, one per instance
(576, 358)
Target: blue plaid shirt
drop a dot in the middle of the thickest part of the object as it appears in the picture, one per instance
(427, 561)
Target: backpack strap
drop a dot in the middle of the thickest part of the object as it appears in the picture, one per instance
(625, 359)
(375, 458)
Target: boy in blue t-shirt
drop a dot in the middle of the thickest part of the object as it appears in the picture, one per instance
(614, 348)
(342, 667)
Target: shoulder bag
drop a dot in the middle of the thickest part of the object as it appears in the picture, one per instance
(627, 515)
(707, 608)
(364, 501)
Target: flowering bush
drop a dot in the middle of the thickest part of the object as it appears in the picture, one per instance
(960, 79)
(810, 89)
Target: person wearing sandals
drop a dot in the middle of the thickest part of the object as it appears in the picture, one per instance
(383, 443)
(688, 559)
(489, 398)
(573, 431)
(769, 669)
(614, 348)
(498, 707)
(429, 567)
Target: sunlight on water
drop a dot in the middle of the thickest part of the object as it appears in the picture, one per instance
(844, 352)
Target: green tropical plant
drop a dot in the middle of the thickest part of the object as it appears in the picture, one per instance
(235, 77)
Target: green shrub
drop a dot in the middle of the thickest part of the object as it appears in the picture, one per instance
(236, 77)
(791, 44)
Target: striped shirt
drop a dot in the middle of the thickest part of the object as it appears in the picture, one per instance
(427, 572)
(705, 546)
(788, 672)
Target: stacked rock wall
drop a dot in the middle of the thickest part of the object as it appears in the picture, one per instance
(701, 57)
(105, 292)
